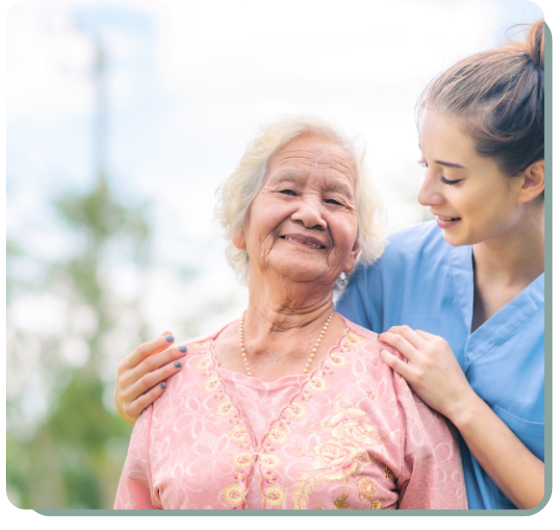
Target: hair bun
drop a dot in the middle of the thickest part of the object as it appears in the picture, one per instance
(534, 42)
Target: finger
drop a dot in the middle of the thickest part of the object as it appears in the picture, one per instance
(401, 344)
(396, 364)
(145, 400)
(409, 334)
(152, 363)
(425, 335)
(148, 348)
(151, 379)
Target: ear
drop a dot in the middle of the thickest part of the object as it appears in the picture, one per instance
(238, 239)
(532, 182)
(351, 261)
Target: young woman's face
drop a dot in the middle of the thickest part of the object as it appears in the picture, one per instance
(471, 198)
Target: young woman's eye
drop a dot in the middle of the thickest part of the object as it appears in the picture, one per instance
(423, 163)
(450, 182)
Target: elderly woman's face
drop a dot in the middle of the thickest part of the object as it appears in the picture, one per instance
(303, 223)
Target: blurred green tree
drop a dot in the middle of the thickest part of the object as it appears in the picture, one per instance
(74, 457)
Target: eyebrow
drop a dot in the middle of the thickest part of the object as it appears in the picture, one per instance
(449, 164)
(443, 163)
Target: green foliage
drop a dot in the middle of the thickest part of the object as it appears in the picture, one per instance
(75, 456)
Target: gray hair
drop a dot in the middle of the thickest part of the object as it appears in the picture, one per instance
(235, 195)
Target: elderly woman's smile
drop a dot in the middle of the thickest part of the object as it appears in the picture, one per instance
(284, 408)
(302, 224)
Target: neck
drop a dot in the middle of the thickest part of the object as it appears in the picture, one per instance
(513, 259)
(284, 320)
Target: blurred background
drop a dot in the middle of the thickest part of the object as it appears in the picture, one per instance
(122, 119)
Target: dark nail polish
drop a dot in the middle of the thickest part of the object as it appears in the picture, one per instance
(182, 348)
(162, 386)
(169, 338)
(177, 364)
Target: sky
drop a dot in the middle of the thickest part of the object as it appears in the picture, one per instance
(189, 84)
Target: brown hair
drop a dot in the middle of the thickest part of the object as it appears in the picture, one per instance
(499, 97)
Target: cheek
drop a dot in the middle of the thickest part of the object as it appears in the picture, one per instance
(346, 234)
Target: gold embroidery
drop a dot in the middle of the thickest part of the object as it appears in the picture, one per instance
(278, 436)
(376, 505)
(201, 345)
(366, 488)
(242, 459)
(341, 503)
(203, 363)
(318, 384)
(238, 434)
(269, 476)
(232, 495)
(225, 409)
(338, 458)
(354, 339)
(297, 410)
(212, 385)
(271, 461)
(338, 360)
(388, 473)
(274, 496)
(240, 476)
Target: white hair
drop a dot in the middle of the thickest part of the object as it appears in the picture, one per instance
(235, 195)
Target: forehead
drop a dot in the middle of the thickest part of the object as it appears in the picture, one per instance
(442, 135)
(313, 152)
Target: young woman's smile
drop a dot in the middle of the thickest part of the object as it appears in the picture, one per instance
(473, 201)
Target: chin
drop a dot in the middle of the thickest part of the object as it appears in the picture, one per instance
(454, 240)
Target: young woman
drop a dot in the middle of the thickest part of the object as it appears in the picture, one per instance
(462, 297)
(473, 280)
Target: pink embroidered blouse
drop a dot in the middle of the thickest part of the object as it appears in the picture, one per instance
(349, 435)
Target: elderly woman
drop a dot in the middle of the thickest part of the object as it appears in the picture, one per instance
(291, 406)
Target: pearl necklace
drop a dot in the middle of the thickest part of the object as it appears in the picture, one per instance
(244, 355)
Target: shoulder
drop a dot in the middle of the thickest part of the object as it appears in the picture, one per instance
(370, 346)
(408, 247)
(203, 343)
(415, 240)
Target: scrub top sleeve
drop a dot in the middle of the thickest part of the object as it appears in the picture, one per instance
(135, 485)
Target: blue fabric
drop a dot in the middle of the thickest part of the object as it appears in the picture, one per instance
(424, 282)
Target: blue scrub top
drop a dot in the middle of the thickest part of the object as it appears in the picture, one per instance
(424, 282)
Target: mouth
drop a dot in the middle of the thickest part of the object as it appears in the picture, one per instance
(307, 241)
(448, 218)
(444, 218)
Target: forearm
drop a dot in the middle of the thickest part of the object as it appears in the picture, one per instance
(516, 471)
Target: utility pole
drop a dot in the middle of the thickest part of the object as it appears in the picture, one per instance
(101, 111)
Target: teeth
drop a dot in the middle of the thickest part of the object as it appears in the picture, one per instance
(304, 242)
(446, 218)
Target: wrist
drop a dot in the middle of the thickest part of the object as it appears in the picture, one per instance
(464, 411)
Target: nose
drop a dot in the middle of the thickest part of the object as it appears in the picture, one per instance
(429, 194)
(309, 214)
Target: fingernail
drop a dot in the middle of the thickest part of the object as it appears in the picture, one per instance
(169, 338)
(182, 348)
(162, 386)
(177, 364)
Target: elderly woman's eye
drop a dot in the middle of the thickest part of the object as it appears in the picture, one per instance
(288, 192)
(333, 201)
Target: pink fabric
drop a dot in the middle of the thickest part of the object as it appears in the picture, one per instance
(350, 435)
